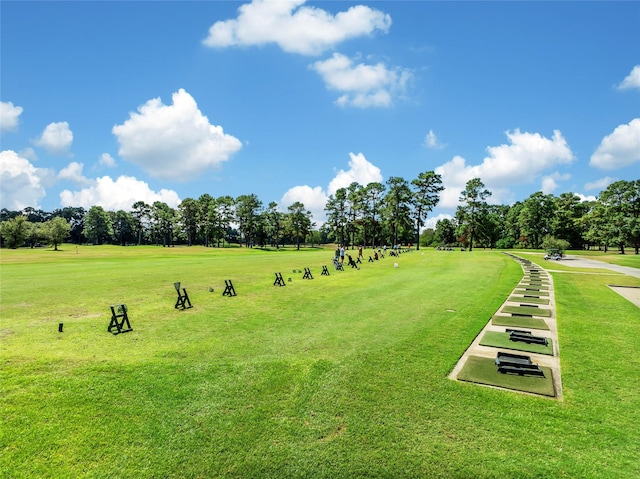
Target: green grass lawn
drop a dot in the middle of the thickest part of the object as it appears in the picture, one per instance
(341, 376)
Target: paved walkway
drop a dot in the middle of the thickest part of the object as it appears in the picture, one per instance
(579, 262)
(628, 292)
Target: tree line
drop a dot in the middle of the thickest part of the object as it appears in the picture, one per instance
(390, 213)
(207, 220)
(541, 220)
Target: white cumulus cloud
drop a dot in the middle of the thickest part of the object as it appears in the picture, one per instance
(295, 28)
(315, 198)
(116, 195)
(600, 184)
(619, 149)
(362, 85)
(9, 116)
(56, 138)
(360, 171)
(22, 183)
(431, 141)
(107, 160)
(550, 182)
(632, 80)
(584, 198)
(522, 161)
(174, 141)
(73, 172)
(431, 222)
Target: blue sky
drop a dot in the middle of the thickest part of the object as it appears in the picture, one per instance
(108, 103)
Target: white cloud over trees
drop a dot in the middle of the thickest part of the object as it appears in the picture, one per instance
(174, 141)
(523, 160)
(9, 116)
(620, 148)
(360, 171)
(56, 138)
(120, 194)
(294, 27)
(23, 184)
(600, 184)
(550, 182)
(362, 85)
(315, 198)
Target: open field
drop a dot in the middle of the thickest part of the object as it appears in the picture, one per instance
(339, 377)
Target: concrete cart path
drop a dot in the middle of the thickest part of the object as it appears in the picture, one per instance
(630, 293)
(579, 262)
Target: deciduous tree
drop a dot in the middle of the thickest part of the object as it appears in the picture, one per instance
(97, 225)
(426, 196)
(56, 231)
(15, 231)
(474, 198)
(299, 221)
(397, 208)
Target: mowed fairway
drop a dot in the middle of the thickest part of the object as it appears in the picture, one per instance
(341, 376)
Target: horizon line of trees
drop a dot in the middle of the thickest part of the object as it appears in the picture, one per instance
(375, 214)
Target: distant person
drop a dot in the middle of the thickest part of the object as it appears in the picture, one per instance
(342, 254)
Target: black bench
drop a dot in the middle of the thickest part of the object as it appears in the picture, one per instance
(325, 271)
(307, 274)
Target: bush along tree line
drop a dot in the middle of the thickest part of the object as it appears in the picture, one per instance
(391, 213)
